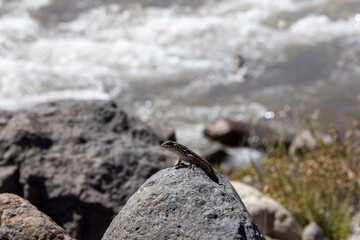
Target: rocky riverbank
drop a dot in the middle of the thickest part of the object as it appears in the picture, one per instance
(79, 162)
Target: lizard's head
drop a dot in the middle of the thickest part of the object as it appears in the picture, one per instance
(169, 145)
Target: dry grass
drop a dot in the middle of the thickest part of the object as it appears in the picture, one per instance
(320, 185)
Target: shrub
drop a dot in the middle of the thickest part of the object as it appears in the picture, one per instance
(320, 185)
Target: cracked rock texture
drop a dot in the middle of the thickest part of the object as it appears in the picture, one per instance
(77, 161)
(179, 203)
(21, 220)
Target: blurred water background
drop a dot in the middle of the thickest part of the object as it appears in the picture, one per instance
(179, 60)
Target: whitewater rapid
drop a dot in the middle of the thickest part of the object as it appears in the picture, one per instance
(174, 59)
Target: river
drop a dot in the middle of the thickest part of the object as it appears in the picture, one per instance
(178, 61)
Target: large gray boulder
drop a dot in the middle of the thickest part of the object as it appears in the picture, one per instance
(21, 220)
(180, 203)
(76, 161)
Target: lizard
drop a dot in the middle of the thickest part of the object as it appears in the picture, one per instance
(195, 160)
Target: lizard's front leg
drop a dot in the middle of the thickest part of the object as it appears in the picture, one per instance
(192, 166)
(178, 162)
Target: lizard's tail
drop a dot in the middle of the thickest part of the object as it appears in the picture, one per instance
(213, 177)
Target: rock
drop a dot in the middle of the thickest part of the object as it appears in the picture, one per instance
(312, 232)
(355, 227)
(21, 220)
(9, 179)
(303, 139)
(228, 132)
(4, 118)
(215, 154)
(306, 138)
(179, 203)
(269, 238)
(78, 161)
(237, 60)
(269, 214)
(354, 237)
(232, 133)
(355, 224)
(163, 130)
(230, 158)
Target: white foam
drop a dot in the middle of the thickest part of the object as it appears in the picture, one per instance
(107, 48)
(18, 27)
(31, 100)
(320, 28)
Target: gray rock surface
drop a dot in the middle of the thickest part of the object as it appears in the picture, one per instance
(76, 161)
(179, 203)
(272, 218)
(20, 220)
(9, 179)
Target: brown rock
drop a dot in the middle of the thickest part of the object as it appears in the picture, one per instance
(214, 154)
(233, 133)
(228, 132)
(21, 220)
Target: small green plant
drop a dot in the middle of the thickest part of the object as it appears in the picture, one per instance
(242, 172)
